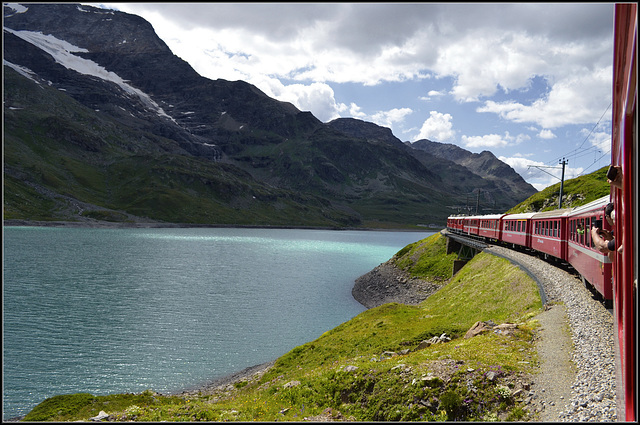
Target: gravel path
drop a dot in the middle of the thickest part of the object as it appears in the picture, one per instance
(576, 347)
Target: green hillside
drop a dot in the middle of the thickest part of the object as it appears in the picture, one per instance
(576, 192)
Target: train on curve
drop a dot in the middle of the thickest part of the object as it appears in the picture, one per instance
(564, 234)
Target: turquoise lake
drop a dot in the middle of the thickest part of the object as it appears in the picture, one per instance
(109, 311)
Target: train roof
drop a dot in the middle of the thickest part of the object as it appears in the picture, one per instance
(484, 217)
(593, 205)
(490, 216)
(555, 213)
(519, 216)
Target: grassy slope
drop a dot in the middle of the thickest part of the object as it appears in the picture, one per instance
(576, 192)
(380, 389)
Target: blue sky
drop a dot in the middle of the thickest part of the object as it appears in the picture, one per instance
(530, 83)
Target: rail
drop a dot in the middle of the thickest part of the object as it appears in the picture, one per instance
(466, 241)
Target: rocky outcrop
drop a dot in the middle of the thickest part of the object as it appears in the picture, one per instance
(387, 283)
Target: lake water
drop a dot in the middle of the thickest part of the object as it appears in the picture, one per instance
(109, 311)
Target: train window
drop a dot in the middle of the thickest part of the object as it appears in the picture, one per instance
(555, 229)
(590, 222)
(546, 228)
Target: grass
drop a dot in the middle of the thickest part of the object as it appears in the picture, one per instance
(346, 369)
(576, 192)
(426, 259)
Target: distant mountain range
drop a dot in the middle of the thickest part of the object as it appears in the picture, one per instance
(103, 122)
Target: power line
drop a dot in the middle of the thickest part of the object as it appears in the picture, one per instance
(579, 152)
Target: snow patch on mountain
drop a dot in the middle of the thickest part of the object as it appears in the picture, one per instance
(62, 52)
(17, 8)
(25, 72)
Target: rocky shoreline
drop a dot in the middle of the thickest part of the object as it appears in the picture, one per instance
(387, 283)
(225, 385)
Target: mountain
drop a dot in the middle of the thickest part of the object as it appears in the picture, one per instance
(103, 122)
(484, 164)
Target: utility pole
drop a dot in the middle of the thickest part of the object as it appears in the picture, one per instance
(563, 162)
(477, 202)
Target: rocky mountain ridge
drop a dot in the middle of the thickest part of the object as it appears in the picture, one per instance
(99, 110)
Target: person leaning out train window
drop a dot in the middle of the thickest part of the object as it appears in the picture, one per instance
(614, 176)
(603, 239)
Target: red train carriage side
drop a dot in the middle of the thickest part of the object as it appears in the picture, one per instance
(592, 265)
(454, 223)
(470, 225)
(550, 233)
(624, 153)
(515, 229)
(489, 226)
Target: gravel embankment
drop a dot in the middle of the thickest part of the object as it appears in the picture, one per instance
(592, 392)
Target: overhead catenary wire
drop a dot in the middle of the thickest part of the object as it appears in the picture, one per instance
(580, 152)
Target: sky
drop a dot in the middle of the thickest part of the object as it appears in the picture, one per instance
(529, 82)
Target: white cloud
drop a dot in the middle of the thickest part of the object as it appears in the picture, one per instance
(391, 117)
(316, 97)
(546, 134)
(576, 99)
(488, 140)
(438, 128)
(432, 94)
(494, 140)
(599, 139)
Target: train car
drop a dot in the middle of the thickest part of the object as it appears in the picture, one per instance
(470, 225)
(454, 223)
(624, 153)
(489, 226)
(549, 233)
(593, 266)
(515, 229)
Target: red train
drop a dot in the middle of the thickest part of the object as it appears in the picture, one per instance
(624, 153)
(564, 234)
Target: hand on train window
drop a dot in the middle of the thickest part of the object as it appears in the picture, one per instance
(614, 176)
(602, 240)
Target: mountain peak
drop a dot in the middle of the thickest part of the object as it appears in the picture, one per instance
(101, 114)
